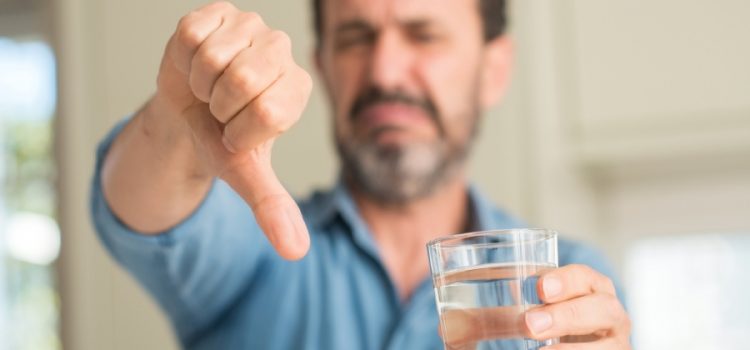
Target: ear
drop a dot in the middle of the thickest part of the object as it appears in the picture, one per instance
(495, 75)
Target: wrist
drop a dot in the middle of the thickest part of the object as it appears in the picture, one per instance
(170, 138)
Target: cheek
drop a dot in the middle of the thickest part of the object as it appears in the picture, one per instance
(345, 81)
(453, 86)
(347, 77)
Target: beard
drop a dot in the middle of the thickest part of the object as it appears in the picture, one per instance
(398, 174)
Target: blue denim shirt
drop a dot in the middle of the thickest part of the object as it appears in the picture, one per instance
(223, 287)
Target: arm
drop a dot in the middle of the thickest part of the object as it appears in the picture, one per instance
(197, 269)
(151, 176)
(227, 87)
(183, 189)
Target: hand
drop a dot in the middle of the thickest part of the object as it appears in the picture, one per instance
(229, 82)
(581, 308)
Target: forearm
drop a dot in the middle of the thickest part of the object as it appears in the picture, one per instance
(151, 176)
(227, 87)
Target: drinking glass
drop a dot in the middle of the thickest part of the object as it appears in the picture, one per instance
(485, 281)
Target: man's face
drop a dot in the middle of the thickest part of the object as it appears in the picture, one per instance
(406, 79)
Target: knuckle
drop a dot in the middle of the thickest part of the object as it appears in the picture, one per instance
(242, 81)
(302, 82)
(571, 312)
(280, 40)
(607, 284)
(593, 278)
(187, 32)
(188, 19)
(584, 269)
(269, 116)
(249, 23)
(306, 81)
(250, 17)
(614, 309)
(212, 60)
(626, 323)
(306, 86)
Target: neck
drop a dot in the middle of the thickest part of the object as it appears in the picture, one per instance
(402, 230)
(442, 212)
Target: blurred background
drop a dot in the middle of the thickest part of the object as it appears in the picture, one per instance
(627, 126)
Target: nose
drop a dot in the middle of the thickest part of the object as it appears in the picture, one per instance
(392, 62)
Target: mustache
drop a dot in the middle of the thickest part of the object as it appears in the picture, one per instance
(374, 96)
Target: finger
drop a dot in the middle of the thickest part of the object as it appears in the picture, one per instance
(215, 53)
(601, 344)
(275, 211)
(249, 74)
(193, 29)
(271, 113)
(172, 80)
(572, 281)
(598, 312)
(251, 176)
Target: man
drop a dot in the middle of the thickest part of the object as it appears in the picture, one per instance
(407, 80)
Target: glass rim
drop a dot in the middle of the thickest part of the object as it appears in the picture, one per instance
(540, 235)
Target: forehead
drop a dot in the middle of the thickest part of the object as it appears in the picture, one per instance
(381, 12)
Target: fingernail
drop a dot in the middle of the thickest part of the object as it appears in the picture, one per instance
(552, 286)
(228, 145)
(538, 321)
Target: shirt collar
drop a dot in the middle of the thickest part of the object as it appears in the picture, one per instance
(339, 202)
(486, 215)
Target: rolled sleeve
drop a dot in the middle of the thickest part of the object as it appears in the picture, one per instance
(195, 270)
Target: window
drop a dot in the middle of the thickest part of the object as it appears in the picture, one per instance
(29, 235)
(690, 292)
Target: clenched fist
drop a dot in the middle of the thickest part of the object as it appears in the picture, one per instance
(230, 81)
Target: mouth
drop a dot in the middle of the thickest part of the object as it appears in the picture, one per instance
(392, 116)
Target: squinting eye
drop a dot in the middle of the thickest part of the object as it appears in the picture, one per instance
(355, 40)
(424, 38)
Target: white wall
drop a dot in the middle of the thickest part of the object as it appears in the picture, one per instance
(660, 116)
(625, 119)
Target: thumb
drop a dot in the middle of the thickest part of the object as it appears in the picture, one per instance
(252, 177)
(275, 211)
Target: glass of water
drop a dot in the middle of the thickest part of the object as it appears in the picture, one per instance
(485, 282)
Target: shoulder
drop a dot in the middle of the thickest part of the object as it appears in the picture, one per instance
(576, 252)
(569, 251)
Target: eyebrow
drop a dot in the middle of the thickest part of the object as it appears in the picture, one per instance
(418, 24)
(354, 25)
(361, 25)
